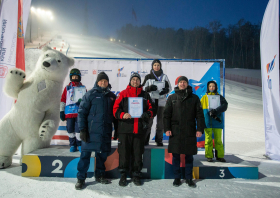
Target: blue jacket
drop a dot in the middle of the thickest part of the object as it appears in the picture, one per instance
(96, 115)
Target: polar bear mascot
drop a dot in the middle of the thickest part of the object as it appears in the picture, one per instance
(34, 118)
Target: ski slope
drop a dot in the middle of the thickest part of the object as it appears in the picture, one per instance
(244, 138)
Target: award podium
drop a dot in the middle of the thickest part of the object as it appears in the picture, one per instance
(57, 161)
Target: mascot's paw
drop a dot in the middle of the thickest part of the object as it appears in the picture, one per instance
(15, 76)
(5, 161)
(46, 128)
(14, 81)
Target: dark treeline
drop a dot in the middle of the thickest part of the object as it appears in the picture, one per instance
(238, 44)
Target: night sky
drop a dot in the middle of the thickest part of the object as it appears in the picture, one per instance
(106, 16)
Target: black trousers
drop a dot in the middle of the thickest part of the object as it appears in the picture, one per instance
(131, 148)
(188, 166)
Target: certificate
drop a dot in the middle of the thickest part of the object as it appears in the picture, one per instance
(160, 85)
(135, 107)
(214, 101)
(79, 92)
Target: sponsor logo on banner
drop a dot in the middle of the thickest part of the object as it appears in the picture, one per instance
(84, 72)
(119, 74)
(269, 68)
(141, 73)
(3, 71)
(2, 49)
(94, 72)
(103, 70)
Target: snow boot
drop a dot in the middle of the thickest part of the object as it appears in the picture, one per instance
(73, 149)
(102, 180)
(136, 180)
(177, 182)
(80, 184)
(123, 181)
(209, 160)
(220, 159)
(159, 144)
(190, 183)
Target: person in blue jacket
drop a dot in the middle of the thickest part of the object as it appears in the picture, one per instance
(95, 123)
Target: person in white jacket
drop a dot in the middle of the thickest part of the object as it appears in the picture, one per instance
(159, 97)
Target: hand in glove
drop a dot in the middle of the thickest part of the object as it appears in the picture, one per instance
(163, 91)
(79, 102)
(146, 116)
(153, 87)
(213, 112)
(84, 135)
(62, 116)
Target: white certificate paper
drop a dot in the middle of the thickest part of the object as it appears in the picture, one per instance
(135, 107)
(79, 92)
(214, 101)
(160, 85)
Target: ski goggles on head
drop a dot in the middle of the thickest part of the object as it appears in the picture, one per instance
(75, 72)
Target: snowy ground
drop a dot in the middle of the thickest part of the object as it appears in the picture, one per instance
(244, 138)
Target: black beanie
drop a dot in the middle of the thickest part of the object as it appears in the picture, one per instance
(135, 75)
(183, 78)
(102, 75)
(156, 61)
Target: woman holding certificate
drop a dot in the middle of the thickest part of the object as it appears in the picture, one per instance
(158, 86)
(133, 108)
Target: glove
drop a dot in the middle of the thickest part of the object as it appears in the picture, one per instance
(164, 91)
(79, 102)
(213, 112)
(153, 87)
(146, 115)
(62, 116)
(84, 135)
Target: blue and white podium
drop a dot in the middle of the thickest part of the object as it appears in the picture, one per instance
(57, 161)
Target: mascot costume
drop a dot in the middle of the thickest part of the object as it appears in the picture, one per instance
(34, 118)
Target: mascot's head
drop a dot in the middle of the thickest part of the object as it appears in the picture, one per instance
(53, 65)
(75, 72)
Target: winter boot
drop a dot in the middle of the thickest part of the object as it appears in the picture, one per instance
(136, 180)
(80, 184)
(123, 181)
(190, 183)
(159, 144)
(80, 148)
(220, 159)
(209, 160)
(101, 179)
(177, 182)
(73, 149)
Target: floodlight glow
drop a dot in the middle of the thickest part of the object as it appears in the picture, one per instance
(135, 45)
(49, 13)
(32, 9)
(39, 10)
(51, 17)
(147, 50)
(111, 39)
(43, 12)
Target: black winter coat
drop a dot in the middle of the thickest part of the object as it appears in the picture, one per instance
(96, 115)
(182, 113)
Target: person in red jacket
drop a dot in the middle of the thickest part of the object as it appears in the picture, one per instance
(69, 105)
(131, 131)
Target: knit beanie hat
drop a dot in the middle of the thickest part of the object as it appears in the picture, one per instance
(101, 76)
(135, 75)
(183, 78)
(156, 61)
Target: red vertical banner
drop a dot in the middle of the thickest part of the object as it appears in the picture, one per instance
(20, 60)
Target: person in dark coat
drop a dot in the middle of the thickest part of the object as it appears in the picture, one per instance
(131, 131)
(95, 123)
(183, 123)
